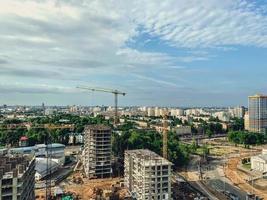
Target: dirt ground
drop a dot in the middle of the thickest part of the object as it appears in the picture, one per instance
(239, 178)
(87, 189)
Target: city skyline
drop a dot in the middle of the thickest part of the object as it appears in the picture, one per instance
(171, 53)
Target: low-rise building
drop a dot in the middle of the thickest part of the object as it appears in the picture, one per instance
(259, 162)
(182, 130)
(56, 150)
(43, 167)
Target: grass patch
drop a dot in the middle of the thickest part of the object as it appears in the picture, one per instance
(247, 166)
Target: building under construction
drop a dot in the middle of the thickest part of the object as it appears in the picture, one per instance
(147, 175)
(97, 151)
(17, 177)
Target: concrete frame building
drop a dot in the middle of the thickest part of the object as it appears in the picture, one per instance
(17, 177)
(257, 110)
(97, 151)
(147, 175)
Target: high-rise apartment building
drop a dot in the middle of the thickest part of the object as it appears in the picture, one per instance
(97, 151)
(238, 112)
(257, 110)
(17, 177)
(147, 175)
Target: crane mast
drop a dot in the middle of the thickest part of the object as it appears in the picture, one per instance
(165, 137)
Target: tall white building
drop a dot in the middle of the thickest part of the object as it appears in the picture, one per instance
(150, 112)
(147, 175)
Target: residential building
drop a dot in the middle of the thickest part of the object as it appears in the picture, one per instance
(246, 121)
(222, 115)
(151, 112)
(257, 110)
(97, 151)
(147, 175)
(182, 130)
(237, 112)
(17, 177)
(176, 112)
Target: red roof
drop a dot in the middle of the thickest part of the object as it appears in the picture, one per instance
(23, 138)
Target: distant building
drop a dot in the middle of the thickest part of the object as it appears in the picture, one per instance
(257, 110)
(150, 112)
(97, 151)
(246, 121)
(222, 115)
(49, 111)
(23, 141)
(147, 175)
(76, 138)
(177, 112)
(17, 177)
(259, 162)
(182, 130)
(237, 112)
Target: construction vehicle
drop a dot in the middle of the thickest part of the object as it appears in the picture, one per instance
(115, 92)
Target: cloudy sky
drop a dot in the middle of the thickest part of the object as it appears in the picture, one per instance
(169, 53)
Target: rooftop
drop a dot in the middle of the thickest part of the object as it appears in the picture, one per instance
(98, 127)
(54, 145)
(14, 164)
(148, 157)
(258, 96)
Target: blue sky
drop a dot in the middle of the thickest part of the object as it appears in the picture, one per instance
(164, 53)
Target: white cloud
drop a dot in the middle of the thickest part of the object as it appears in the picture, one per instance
(54, 42)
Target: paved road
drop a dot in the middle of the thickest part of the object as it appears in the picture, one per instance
(218, 182)
(192, 166)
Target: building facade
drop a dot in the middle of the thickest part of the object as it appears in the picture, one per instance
(97, 151)
(259, 162)
(257, 110)
(17, 177)
(147, 175)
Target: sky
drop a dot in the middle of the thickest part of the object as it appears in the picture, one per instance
(161, 53)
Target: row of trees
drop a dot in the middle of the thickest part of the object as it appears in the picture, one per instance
(140, 139)
(38, 135)
(247, 138)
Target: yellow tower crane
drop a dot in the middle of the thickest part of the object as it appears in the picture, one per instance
(115, 92)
